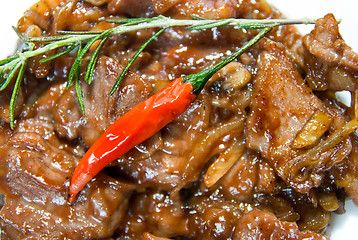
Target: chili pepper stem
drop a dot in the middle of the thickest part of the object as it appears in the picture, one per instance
(198, 80)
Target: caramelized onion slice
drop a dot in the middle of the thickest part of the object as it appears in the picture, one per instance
(309, 159)
(329, 201)
(148, 236)
(313, 130)
(201, 149)
(223, 163)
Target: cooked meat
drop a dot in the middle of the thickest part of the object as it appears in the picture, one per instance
(39, 167)
(155, 212)
(212, 216)
(264, 152)
(101, 111)
(273, 122)
(326, 43)
(54, 218)
(160, 161)
(331, 63)
(262, 225)
(346, 175)
(250, 175)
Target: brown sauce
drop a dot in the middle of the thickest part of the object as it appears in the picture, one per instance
(157, 190)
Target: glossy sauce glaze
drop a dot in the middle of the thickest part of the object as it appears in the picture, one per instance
(250, 111)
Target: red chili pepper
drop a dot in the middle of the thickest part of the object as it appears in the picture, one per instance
(145, 119)
(134, 127)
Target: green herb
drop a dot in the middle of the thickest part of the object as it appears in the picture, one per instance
(81, 42)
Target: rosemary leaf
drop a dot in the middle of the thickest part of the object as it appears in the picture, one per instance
(67, 50)
(135, 56)
(196, 17)
(15, 93)
(19, 35)
(7, 60)
(75, 66)
(10, 76)
(79, 92)
(92, 62)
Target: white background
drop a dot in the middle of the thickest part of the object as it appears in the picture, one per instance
(343, 227)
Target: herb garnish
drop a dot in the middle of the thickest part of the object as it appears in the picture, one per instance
(82, 41)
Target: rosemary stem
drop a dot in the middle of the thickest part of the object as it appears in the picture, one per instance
(23, 56)
(161, 21)
(239, 23)
(55, 45)
(169, 22)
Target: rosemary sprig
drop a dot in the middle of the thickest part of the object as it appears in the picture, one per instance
(82, 41)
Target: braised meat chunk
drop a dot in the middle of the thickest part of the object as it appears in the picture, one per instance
(257, 145)
(39, 167)
(274, 123)
(331, 63)
(262, 225)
